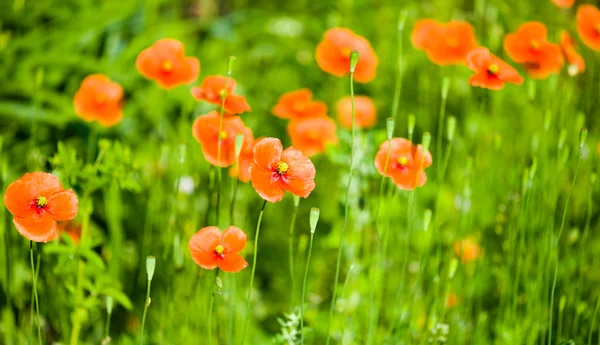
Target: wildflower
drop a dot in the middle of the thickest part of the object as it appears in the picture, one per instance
(214, 88)
(528, 46)
(451, 300)
(467, 250)
(445, 43)
(37, 200)
(312, 135)
(405, 165)
(564, 3)
(333, 55)
(70, 229)
(576, 64)
(365, 114)
(490, 71)
(99, 98)
(588, 25)
(211, 249)
(298, 104)
(206, 131)
(165, 63)
(275, 171)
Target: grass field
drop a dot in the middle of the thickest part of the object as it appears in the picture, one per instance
(500, 245)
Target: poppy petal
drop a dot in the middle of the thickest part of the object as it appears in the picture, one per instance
(37, 228)
(23, 191)
(263, 184)
(63, 205)
(232, 263)
(205, 260)
(206, 239)
(233, 239)
(235, 104)
(267, 153)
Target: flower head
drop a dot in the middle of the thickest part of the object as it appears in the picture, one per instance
(166, 63)
(211, 249)
(467, 249)
(490, 71)
(99, 98)
(365, 114)
(206, 131)
(299, 104)
(406, 163)
(333, 55)
(275, 171)
(588, 25)
(312, 135)
(576, 64)
(564, 3)
(214, 88)
(37, 200)
(528, 46)
(444, 43)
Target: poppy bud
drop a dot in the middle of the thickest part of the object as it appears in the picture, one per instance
(452, 268)
(427, 219)
(230, 65)
(353, 60)
(426, 141)
(239, 141)
(445, 87)
(296, 201)
(150, 265)
(390, 128)
(314, 218)
(451, 127)
(411, 125)
(109, 304)
(562, 302)
(582, 136)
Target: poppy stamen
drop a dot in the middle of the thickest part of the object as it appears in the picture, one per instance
(402, 161)
(223, 135)
(167, 66)
(535, 44)
(219, 250)
(41, 202)
(282, 168)
(493, 69)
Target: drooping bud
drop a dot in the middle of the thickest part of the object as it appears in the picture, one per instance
(353, 60)
(150, 265)
(452, 268)
(296, 201)
(582, 136)
(109, 304)
(451, 127)
(230, 62)
(314, 219)
(411, 125)
(445, 87)
(426, 141)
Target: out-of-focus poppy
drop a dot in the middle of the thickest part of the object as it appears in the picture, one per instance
(70, 229)
(445, 43)
(165, 62)
(211, 249)
(298, 104)
(365, 114)
(528, 46)
(451, 300)
(99, 98)
(564, 3)
(467, 250)
(243, 166)
(576, 64)
(490, 71)
(312, 135)
(333, 55)
(406, 163)
(214, 88)
(275, 171)
(588, 25)
(206, 131)
(37, 200)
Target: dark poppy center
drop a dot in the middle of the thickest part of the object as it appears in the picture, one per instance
(282, 168)
(41, 202)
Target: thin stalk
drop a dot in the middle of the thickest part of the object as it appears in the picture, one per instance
(248, 300)
(398, 87)
(594, 322)
(236, 187)
(107, 326)
(35, 295)
(344, 294)
(291, 255)
(441, 125)
(146, 305)
(310, 245)
(220, 141)
(210, 309)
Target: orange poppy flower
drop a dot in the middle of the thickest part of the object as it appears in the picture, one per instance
(37, 200)
(71, 230)
(444, 43)
(490, 71)
(452, 300)
(246, 158)
(574, 60)
(528, 46)
(467, 250)
(298, 104)
(211, 249)
(206, 131)
(588, 25)
(165, 63)
(99, 98)
(564, 3)
(365, 114)
(275, 171)
(333, 55)
(213, 89)
(406, 163)
(312, 135)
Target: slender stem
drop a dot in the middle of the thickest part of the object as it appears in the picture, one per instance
(210, 308)
(107, 326)
(147, 304)
(262, 211)
(594, 322)
(344, 294)
(291, 256)
(236, 187)
(219, 143)
(310, 245)
(398, 87)
(37, 304)
(346, 209)
(562, 226)
(441, 130)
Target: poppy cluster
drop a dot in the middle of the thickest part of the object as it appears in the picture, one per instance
(404, 162)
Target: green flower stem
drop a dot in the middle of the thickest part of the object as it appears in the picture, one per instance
(34, 276)
(146, 305)
(310, 246)
(291, 253)
(210, 308)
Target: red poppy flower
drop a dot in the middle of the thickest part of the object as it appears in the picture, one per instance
(528, 46)
(312, 135)
(588, 25)
(211, 249)
(490, 71)
(564, 3)
(575, 62)
(37, 200)
(165, 63)
(444, 43)
(275, 171)
(99, 98)
(365, 114)
(467, 250)
(213, 89)
(406, 163)
(333, 55)
(298, 104)
(206, 131)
